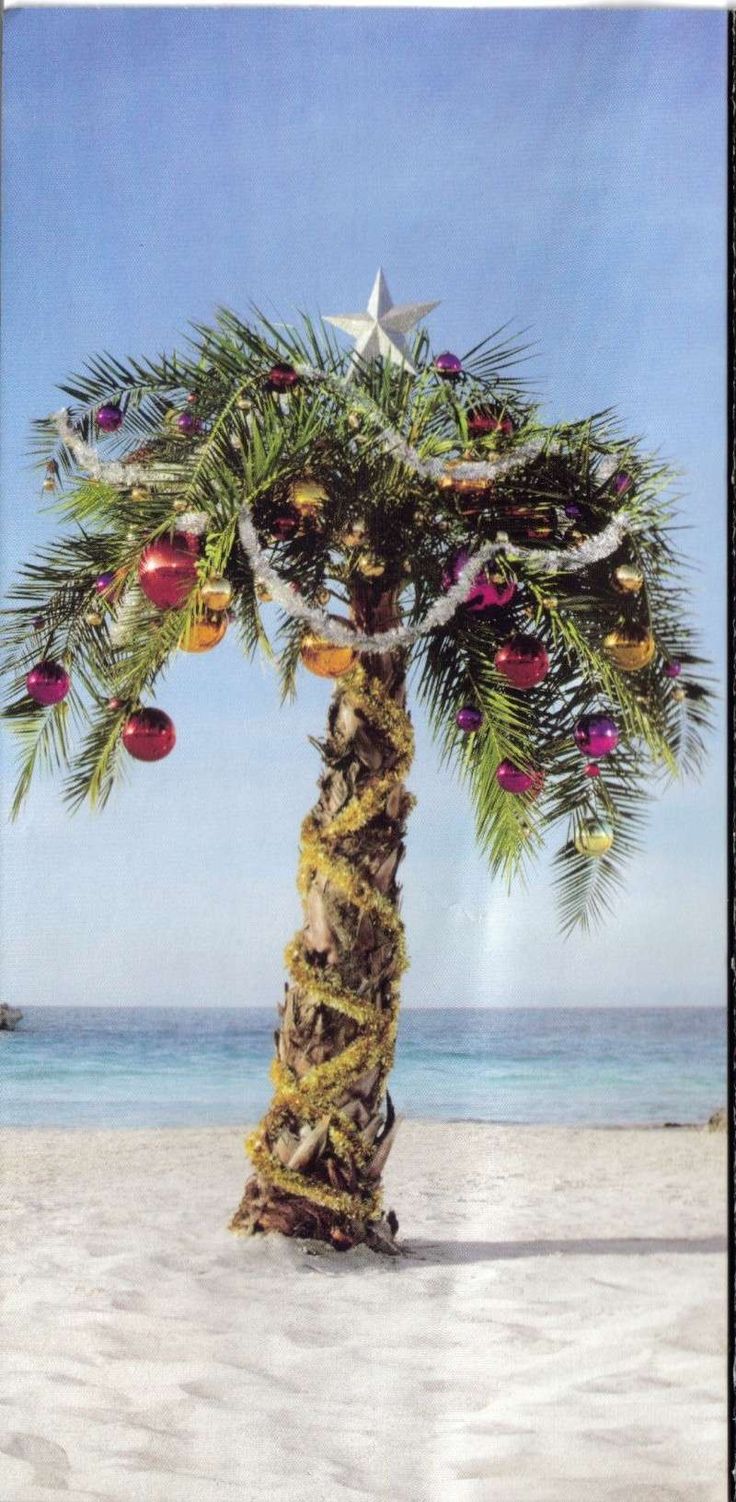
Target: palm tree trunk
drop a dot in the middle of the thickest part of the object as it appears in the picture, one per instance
(320, 1149)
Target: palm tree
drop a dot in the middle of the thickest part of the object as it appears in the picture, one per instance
(412, 520)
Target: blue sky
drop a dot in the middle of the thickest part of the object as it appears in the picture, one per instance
(564, 170)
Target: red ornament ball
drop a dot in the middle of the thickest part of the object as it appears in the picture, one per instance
(48, 683)
(168, 570)
(522, 661)
(281, 378)
(483, 420)
(592, 769)
(285, 524)
(149, 735)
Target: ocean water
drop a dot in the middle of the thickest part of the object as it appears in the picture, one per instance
(139, 1066)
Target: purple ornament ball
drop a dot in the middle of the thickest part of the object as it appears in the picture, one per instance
(187, 423)
(109, 419)
(672, 669)
(449, 366)
(485, 591)
(596, 735)
(574, 511)
(514, 779)
(468, 719)
(622, 482)
(104, 581)
(48, 682)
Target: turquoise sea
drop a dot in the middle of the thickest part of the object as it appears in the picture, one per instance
(149, 1066)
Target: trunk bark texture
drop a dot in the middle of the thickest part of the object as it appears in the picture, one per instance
(319, 1151)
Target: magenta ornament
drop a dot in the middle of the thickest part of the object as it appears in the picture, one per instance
(48, 682)
(596, 735)
(622, 482)
(672, 669)
(482, 421)
(592, 769)
(187, 423)
(514, 779)
(485, 592)
(449, 366)
(149, 735)
(109, 419)
(104, 581)
(468, 719)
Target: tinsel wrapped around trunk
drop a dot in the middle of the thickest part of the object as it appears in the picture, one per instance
(320, 1149)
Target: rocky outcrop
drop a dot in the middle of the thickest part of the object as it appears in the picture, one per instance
(9, 1018)
(717, 1122)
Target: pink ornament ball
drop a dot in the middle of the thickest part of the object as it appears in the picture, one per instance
(468, 719)
(281, 378)
(622, 482)
(449, 366)
(48, 683)
(514, 779)
(167, 571)
(596, 735)
(673, 669)
(485, 592)
(522, 661)
(109, 419)
(592, 769)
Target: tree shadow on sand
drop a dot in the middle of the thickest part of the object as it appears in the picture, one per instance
(460, 1253)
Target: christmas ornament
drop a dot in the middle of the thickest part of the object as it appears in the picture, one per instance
(49, 484)
(483, 420)
(448, 366)
(115, 704)
(216, 593)
(325, 658)
(631, 648)
(596, 735)
(109, 419)
(379, 332)
(180, 507)
(149, 735)
(679, 694)
(354, 536)
(281, 378)
(530, 522)
(628, 579)
(523, 661)
(39, 623)
(188, 424)
(514, 779)
(105, 581)
(140, 493)
(263, 594)
(672, 669)
(203, 633)
(192, 397)
(307, 497)
(468, 719)
(592, 770)
(574, 511)
(284, 525)
(93, 618)
(369, 566)
(594, 837)
(168, 571)
(487, 591)
(48, 682)
(621, 482)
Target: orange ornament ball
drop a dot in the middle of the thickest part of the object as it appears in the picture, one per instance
(325, 658)
(203, 633)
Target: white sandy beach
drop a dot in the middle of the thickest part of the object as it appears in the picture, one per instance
(556, 1333)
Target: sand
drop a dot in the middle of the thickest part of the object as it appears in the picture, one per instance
(556, 1332)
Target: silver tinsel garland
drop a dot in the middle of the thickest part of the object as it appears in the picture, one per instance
(541, 560)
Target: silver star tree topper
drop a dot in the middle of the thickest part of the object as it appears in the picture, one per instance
(381, 329)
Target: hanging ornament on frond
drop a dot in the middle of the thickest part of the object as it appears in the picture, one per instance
(48, 682)
(167, 571)
(593, 837)
(307, 497)
(216, 593)
(631, 648)
(522, 661)
(519, 780)
(149, 735)
(596, 735)
(324, 658)
(203, 633)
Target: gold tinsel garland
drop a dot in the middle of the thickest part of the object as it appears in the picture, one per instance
(314, 1097)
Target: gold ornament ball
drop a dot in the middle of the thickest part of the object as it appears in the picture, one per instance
(628, 579)
(180, 506)
(323, 596)
(203, 633)
(216, 593)
(93, 618)
(370, 566)
(594, 837)
(354, 536)
(49, 484)
(140, 493)
(263, 594)
(679, 694)
(631, 648)
(326, 658)
(307, 497)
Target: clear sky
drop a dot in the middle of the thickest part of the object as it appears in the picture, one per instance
(564, 170)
